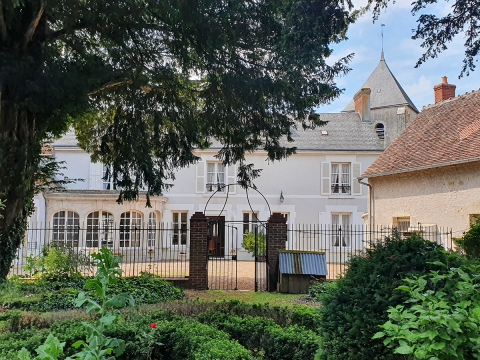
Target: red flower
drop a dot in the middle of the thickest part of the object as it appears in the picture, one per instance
(153, 326)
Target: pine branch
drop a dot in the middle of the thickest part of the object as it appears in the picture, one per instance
(3, 26)
(66, 31)
(33, 25)
(110, 85)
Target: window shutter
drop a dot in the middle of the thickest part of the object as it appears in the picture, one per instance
(325, 178)
(232, 179)
(356, 172)
(200, 181)
(95, 180)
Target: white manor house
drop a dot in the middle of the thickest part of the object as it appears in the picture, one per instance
(317, 185)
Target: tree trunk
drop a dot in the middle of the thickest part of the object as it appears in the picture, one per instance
(19, 161)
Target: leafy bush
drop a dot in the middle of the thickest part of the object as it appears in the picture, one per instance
(317, 291)
(265, 337)
(58, 261)
(54, 295)
(440, 319)
(147, 289)
(248, 243)
(352, 311)
(470, 241)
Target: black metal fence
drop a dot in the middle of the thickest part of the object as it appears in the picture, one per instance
(340, 243)
(161, 249)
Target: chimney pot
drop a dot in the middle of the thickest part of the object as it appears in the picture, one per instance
(444, 90)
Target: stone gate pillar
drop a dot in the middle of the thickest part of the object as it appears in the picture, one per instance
(277, 240)
(198, 274)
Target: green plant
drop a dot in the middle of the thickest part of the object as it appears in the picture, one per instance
(248, 243)
(264, 337)
(352, 311)
(97, 345)
(470, 241)
(317, 291)
(440, 319)
(50, 350)
(58, 261)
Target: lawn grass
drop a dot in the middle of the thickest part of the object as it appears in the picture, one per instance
(274, 299)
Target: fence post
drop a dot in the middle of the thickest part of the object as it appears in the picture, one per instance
(198, 273)
(277, 240)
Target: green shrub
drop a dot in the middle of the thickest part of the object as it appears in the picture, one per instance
(264, 337)
(470, 241)
(147, 289)
(353, 310)
(317, 291)
(248, 243)
(57, 261)
(54, 295)
(443, 323)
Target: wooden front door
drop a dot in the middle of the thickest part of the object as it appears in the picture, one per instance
(216, 236)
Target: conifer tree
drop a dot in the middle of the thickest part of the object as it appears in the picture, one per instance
(145, 82)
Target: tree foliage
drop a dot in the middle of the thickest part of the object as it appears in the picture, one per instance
(436, 32)
(146, 82)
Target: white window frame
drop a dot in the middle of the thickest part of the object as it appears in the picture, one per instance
(215, 177)
(152, 230)
(250, 221)
(133, 220)
(341, 179)
(99, 229)
(341, 230)
(66, 228)
(180, 228)
(107, 178)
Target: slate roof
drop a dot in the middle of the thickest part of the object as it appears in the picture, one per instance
(345, 132)
(442, 134)
(386, 90)
(68, 139)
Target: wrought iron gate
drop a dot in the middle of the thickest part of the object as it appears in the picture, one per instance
(261, 259)
(223, 240)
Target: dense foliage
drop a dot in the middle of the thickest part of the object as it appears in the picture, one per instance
(353, 310)
(58, 262)
(436, 32)
(146, 82)
(232, 330)
(440, 319)
(470, 241)
(53, 295)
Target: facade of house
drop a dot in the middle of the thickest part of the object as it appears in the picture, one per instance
(317, 185)
(429, 177)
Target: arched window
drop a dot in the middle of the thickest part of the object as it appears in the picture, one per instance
(380, 130)
(66, 228)
(152, 227)
(99, 229)
(130, 229)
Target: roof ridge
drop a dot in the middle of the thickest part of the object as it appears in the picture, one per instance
(471, 93)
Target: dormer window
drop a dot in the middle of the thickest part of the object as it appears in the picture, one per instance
(380, 130)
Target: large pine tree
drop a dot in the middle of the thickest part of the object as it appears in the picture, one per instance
(145, 82)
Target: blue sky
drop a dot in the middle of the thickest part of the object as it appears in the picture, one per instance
(401, 54)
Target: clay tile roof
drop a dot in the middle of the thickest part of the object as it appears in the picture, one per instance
(442, 134)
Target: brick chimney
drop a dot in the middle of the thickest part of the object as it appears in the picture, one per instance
(444, 90)
(362, 103)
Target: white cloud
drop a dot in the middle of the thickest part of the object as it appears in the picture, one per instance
(422, 89)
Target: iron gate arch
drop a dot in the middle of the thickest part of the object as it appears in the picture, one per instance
(225, 271)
